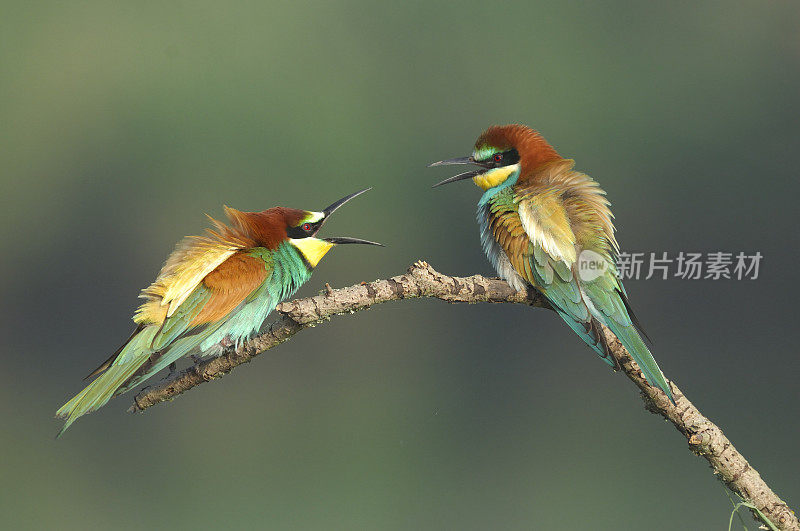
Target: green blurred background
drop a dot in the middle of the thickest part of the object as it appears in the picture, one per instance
(122, 124)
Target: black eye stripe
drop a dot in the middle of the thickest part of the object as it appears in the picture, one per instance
(506, 158)
(301, 232)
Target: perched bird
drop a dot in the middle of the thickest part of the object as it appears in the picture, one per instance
(214, 291)
(545, 225)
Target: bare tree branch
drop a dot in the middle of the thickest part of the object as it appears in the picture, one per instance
(704, 437)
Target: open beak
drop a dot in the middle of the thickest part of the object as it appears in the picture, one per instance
(344, 239)
(460, 176)
(332, 208)
(327, 211)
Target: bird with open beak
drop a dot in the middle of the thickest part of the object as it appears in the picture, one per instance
(544, 225)
(213, 291)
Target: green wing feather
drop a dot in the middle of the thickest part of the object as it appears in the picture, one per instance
(175, 339)
(121, 373)
(582, 304)
(100, 391)
(151, 348)
(606, 294)
(558, 283)
(179, 321)
(554, 277)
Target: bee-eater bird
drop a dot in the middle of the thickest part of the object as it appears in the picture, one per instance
(544, 225)
(214, 291)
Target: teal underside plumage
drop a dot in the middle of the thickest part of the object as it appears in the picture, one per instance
(289, 272)
(580, 303)
(155, 347)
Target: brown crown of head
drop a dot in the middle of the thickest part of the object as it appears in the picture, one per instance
(262, 229)
(533, 149)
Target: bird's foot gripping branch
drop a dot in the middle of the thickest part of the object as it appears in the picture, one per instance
(703, 437)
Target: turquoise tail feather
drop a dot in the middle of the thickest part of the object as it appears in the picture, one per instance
(122, 375)
(589, 337)
(609, 306)
(179, 348)
(100, 391)
(636, 347)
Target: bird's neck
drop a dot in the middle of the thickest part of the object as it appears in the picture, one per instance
(491, 191)
(495, 176)
(290, 269)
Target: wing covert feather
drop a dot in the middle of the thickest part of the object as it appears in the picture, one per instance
(214, 297)
(191, 261)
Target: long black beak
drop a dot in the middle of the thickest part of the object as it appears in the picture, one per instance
(460, 176)
(332, 208)
(344, 239)
(452, 162)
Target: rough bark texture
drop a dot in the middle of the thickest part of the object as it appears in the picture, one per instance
(703, 436)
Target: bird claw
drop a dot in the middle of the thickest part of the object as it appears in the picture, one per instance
(226, 342)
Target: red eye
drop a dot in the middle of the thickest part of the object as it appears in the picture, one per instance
(307, 227)
(498, 157)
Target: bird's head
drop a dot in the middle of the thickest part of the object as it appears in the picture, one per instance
(500, 152)
(299, 228)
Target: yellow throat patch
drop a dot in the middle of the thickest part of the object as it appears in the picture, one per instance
(495, 176)
(312, 248)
